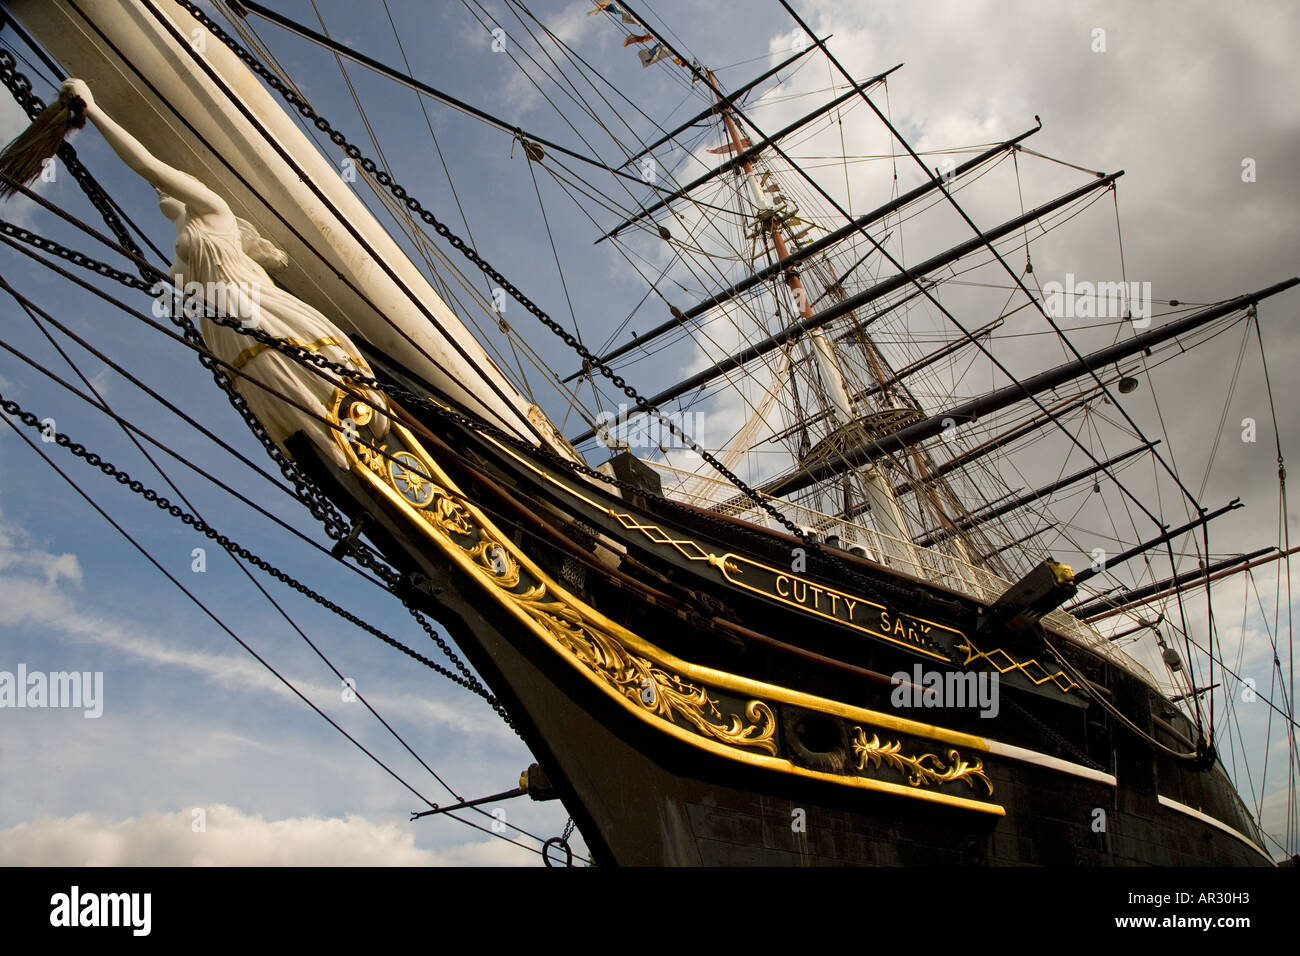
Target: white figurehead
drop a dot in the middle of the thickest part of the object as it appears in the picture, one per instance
(231, 262)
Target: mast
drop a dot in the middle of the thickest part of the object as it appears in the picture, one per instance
(895, 537)
(804, 252)
(898, 281)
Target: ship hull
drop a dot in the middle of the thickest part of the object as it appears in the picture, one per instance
(772, 753)
(640, 801)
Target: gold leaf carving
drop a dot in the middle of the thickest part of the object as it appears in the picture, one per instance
(927, 770)
(655, 690)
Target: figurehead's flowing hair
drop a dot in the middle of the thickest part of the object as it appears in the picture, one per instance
(25, 157)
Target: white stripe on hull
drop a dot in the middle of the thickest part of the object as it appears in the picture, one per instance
(1218, 824)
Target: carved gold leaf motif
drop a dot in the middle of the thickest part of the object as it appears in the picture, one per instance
(716, 711)
(927, 770)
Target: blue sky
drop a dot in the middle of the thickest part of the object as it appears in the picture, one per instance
(1181, 95)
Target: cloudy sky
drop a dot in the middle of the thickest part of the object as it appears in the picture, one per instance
(1181, 95)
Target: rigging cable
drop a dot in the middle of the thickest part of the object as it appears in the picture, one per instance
(9, 407)
(1284, 522)
(238, 552)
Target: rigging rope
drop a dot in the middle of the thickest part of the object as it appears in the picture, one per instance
(289, 684)
(303, 107)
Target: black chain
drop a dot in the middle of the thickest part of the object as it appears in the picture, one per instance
(442, 229)
(464, 679)
(21, 88)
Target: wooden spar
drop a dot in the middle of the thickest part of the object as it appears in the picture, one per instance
(1037, 421)
(1087, 573)
(803, 252)
(1016, 392)
(854, 302)
(1140, 626)
(744, 159)
(744, 154)
(965, 524)
(1095, 610)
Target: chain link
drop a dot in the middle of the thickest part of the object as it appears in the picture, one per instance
(457, 243)
(465, 678)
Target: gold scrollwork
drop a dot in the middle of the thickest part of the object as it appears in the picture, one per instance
(496, 560)
(652, 688)
(648, 681)
(927, 770)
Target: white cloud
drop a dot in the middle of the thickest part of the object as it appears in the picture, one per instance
(18, 549)
(38, 603)
(232, 837)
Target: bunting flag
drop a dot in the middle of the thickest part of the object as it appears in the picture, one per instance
(654, 54)
(608, 6)
(648, 57)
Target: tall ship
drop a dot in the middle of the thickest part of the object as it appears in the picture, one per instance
(853, 588)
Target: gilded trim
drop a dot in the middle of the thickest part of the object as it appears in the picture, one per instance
(973, 654)
(927, 770)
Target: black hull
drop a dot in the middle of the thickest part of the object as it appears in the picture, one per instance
(642, 802)
(1066, 785)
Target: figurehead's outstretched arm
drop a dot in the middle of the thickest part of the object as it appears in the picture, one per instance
(201, 200)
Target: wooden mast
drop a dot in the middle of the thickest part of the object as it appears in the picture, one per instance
(882, 494)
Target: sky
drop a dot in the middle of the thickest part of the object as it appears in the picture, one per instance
(200, 756)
